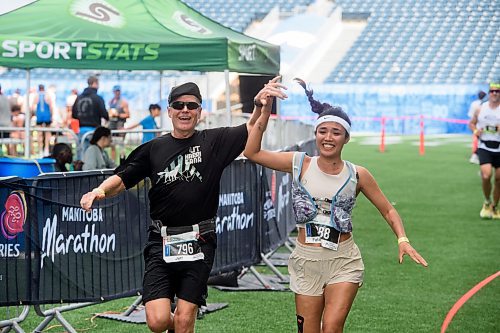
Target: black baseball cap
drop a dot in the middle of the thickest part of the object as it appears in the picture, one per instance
(189, 88)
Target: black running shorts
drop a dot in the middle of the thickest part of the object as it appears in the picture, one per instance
(186, 280)
(488, 157)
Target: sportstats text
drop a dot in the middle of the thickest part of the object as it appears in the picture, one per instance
(80, 50)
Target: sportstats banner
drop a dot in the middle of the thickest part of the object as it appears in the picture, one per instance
(86, 256)
(125, 34)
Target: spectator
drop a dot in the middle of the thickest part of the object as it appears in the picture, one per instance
(58, 114)
(16, 99)
(474, 106)
(95, 156)
(43, 109)
(63, 155)
(70, 101)
(89, 108)
(118, 114)
(18, 119)
(149, 123)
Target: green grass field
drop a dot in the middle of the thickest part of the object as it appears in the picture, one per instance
(439, 197)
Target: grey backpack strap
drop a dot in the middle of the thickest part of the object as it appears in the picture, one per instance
(298, 159)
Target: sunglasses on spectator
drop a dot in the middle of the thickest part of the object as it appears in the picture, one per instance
(178, 105)
(494, 91)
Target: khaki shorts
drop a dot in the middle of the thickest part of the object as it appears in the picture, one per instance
(313, 268)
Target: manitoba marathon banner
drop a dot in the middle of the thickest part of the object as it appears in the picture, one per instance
(238, 217)
(52, 251)
(86, 256)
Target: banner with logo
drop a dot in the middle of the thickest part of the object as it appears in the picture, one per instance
(86, 256)
(14, 243)
(238, 217)
(126, 34)
(273, 229)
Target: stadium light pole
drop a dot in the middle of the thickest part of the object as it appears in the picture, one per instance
(162, 122)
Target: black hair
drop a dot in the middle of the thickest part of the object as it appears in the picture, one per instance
(323, 109)
(59, 148)
(99, 133)
(154, 106)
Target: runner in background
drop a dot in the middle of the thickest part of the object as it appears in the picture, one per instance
(485, 124)
(474, 106)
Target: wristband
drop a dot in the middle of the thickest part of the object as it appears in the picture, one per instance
(403, 240)
(257, 103)
(99, 191)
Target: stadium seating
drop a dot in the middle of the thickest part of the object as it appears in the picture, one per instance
(405, 41)
(238, 14)
(419, 41)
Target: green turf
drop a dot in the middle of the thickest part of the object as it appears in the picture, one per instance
(439, 197)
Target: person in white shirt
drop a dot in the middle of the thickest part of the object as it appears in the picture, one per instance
(485, 124)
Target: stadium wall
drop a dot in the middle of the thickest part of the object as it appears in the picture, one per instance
(444, 107)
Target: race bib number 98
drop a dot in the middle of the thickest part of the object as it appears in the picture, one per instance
(325, 235)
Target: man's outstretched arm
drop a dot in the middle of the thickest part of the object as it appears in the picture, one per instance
(108, 188)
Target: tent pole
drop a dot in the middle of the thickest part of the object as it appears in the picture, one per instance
(228, 97)
(161, 94)
(209, 100)
(280, 124)
(27, 118)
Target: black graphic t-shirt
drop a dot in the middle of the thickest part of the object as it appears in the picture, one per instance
(184, 173)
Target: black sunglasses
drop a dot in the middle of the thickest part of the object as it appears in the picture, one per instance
(494, 91)
(178, 105)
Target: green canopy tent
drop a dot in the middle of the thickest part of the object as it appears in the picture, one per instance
(126, 35)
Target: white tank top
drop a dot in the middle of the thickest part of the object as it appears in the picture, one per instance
(488, 121)
(320, 184)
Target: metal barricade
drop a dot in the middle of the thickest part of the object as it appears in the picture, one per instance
(128, 140)
(66, 136)
(15, 315)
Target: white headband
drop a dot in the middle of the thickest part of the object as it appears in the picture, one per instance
(336, 119)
